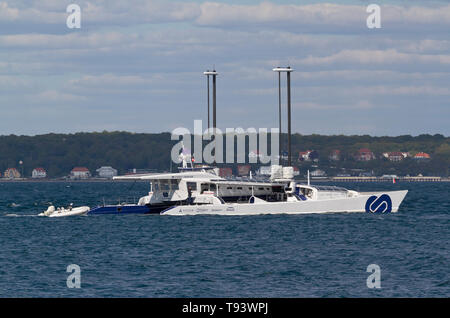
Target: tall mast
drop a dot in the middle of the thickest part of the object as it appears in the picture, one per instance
(289, 116)
(288, 71)
(214, 115)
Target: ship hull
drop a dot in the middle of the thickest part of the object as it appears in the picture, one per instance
(376, 202)
(127, 209)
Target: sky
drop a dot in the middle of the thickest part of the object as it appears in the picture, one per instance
(138, 66)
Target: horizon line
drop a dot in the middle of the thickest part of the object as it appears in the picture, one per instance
(167, 132)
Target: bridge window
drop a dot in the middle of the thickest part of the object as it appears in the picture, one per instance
(192, 185)
(174, 184)
(204, 187)
(165, 185)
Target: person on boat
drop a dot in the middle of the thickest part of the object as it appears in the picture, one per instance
(189, 195)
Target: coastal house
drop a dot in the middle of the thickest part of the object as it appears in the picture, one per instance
(11, 173)
(38, 173)
(304, 155)
(395, 156)
(309, 155)
(364, 154)
(80, 173)
(335, 155)
(106, 172)
(422, 156)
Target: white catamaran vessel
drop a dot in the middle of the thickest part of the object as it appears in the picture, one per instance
(204, 192)
(300, 199)
(200, 190)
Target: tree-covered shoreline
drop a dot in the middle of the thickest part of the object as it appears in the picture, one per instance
(59, 153)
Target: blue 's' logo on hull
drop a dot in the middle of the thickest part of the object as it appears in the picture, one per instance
(381, 204)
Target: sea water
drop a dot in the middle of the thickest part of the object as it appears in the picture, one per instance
(323, 255)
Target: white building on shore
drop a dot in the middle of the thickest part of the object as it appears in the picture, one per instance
(80, 173)
(106, 172)
(38, 173)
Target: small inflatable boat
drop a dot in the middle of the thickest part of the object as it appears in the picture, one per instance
(52, 212)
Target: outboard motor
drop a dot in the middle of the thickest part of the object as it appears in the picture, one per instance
(50, 210)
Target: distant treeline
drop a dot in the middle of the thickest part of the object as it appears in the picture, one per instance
(437, 146)
(59, 153)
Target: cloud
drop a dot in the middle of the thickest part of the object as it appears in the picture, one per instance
(414, 15)
(111, 12)
(57, 96)
(220, 14)
(362, 75)
(355, 90)
(112, 80)
(147, 58)
(139, 12)
(426, 45)
(64, 41)
(7, 13)
(359, 105)
(390, 56)
(12, 81)
(406, 90)
(321, 16)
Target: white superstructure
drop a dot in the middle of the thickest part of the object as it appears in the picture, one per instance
(204, 192)
(192, 187)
